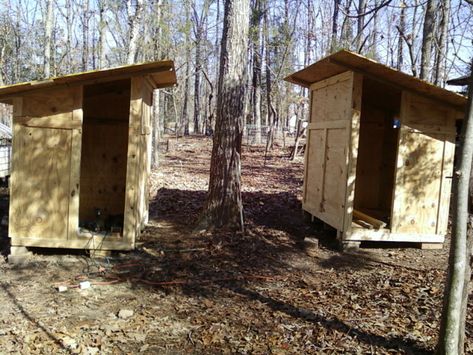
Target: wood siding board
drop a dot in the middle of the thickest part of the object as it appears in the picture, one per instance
(132, 185)
(354, 118)
(74, 181)
(420, 167)
(363, 234)
(78, 242)
(328, 150)
(40, 188)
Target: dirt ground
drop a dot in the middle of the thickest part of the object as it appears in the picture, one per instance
(261, 292)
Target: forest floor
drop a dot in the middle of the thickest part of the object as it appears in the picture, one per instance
(261, 292)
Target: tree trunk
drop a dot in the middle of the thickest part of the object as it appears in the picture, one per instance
(256, 81)
(187, 82)
(346, 36)
(428, 33)
(402, 29)
(48, 29)
(360, 24)
(374, 32)
(156, 129)
(85, 35)
(69, 16)
(269, 105)
(336, 7)
(224, 206)
(101, 41)
(451, 338)
(439, 73)
(134, 21)
(198, 68)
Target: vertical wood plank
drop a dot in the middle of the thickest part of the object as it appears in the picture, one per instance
(352, 147)
(446, 181)
(74, 182)
(131, 209)
(306, 152)
(15, 164)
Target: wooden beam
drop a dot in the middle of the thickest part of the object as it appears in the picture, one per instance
(389, 83)
(376, 223)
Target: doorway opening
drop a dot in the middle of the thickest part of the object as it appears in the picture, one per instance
(106, 112)
(377, 153)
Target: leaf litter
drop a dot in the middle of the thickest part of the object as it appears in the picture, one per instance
(258, 292)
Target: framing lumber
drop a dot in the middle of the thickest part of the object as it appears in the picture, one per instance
(376, 223)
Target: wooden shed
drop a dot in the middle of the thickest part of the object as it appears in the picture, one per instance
(380, 150)
(81, 157)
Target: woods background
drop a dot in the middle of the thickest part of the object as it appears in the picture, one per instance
(426, 38)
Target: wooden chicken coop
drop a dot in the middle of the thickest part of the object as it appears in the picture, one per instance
(380, 150)
(81, 157)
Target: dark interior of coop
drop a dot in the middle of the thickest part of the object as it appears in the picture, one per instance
(106, 112)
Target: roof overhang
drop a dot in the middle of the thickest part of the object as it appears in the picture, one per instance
(162, 74)
(345, 60)
(463, 81)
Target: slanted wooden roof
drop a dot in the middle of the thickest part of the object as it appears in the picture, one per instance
(462, 81)
(345, 60)
(162, 74)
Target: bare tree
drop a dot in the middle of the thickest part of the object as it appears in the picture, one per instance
(187, 79)
(452, 330)
(439, 72)
(134, 20)
(102, 34)
(402, 30)
(224, 205)
(48, 29)
(255, 32)
(336, 8)
(85, 34)
(427, 38)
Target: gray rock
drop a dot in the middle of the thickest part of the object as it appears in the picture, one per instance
(125, 313)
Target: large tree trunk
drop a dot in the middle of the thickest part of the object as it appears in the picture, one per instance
(451, 338)
(439, 73)
(134, 23)
(48, 30)
(224, 205)
(428, 33)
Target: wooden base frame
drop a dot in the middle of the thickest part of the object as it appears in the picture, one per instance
(355, 235)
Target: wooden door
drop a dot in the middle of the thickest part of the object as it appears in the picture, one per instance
(40, 183)
(332, 144)
(424, 167)
(44, 184)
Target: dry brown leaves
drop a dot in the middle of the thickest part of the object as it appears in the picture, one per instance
(252, 293)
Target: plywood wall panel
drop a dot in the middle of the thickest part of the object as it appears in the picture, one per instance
(330, 155)
(40, 183)
(424, 164)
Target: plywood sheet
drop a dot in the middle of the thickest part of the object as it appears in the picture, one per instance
(424, 160)
(40, 183)
(326, 192)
